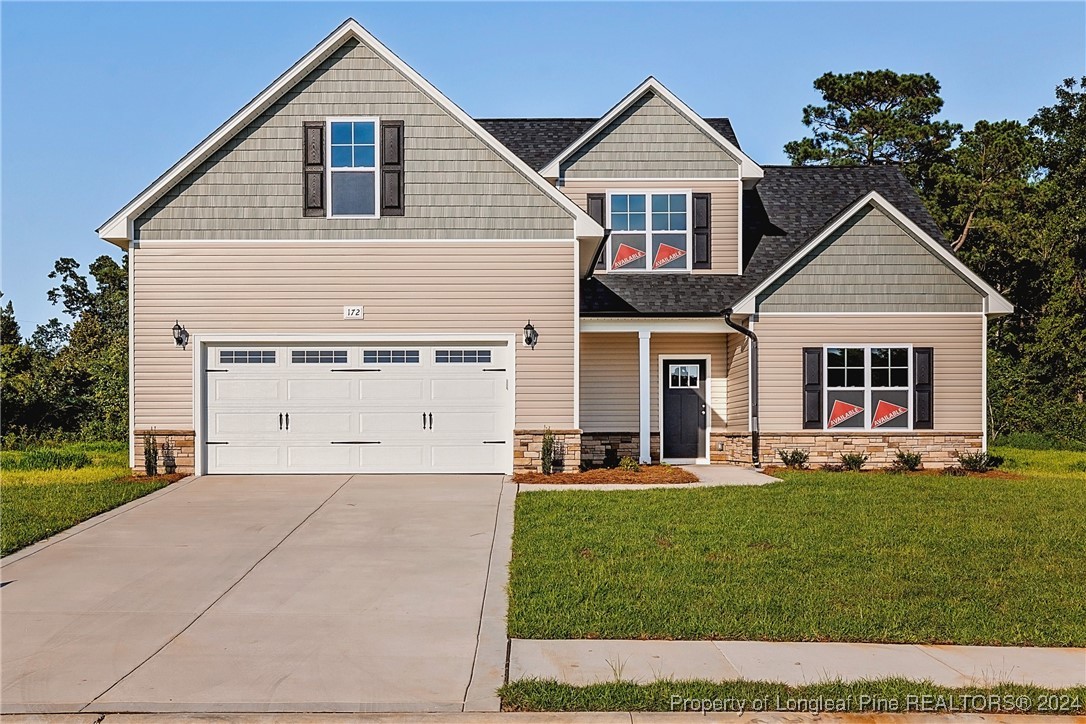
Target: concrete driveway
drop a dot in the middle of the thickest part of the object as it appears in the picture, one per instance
(265, 593)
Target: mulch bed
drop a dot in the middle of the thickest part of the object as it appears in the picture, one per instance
(172, 478)
(649, 475)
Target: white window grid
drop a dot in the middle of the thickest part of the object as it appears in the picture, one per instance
(868, 387)
(649, 231)
(390, 356)
(462, 356)
(354, 169)
(246, 356)
(319, 356)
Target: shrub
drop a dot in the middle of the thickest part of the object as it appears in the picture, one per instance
(45, 459)
(169, 456)
(150, 453)
(977, 462)
(853, 461)
(546, 453)
(833, 468)
(610, 458)
(907, 461)
(953, 471)
(795, 459)
(629, 464)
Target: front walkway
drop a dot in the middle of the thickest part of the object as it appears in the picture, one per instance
(581, 662)
(266, 593)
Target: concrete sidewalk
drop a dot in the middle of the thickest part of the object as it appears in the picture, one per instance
(586, 662)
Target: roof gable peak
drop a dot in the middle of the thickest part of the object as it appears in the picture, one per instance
(748, 170)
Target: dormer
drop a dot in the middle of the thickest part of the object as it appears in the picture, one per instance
(665, 182)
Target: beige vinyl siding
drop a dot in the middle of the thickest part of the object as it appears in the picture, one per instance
(610, 381)
(738, 390)
(724, 210)
(301, 287)
(650, 139)
(958, 350)
(871, 264)
(456, 186)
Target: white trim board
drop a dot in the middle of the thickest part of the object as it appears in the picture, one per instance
(706, 325)
(316, 242)
(994, 302)
(748, 169)
(119, 228)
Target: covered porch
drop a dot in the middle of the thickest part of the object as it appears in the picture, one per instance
(663, 390)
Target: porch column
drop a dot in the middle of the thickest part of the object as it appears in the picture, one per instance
(643, 396)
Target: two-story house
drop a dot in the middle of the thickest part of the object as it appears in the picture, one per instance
(353, 275)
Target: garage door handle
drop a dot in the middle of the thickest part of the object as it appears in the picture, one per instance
(356, 442)
(493, 442)
(216, 443)
(424, 421)
(288, 420)
(493, 369)
(354, 369)
(280, 421)
(431, 421)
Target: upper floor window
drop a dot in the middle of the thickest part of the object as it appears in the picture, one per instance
(649, 231)
(353, 174)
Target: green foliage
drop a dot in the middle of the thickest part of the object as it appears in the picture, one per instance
(1036, 441)
(546, 453)
(623, 695)
(844, 557)
(980, 461)
(874, 118)
(44, 459)
(853, 462)
(150, 453)
(629, 464)
(907, 461)
(795, 459)
(69, 382)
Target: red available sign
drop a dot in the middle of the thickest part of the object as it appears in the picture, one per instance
(843, 411)
(886, 411)
(625, 255)
(667, 254)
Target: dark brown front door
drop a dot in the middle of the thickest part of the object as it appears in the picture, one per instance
(684, 408)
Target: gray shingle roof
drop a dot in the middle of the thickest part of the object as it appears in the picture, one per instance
(538, 140)
(786, 209)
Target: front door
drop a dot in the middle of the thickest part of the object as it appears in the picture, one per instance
(684, 409)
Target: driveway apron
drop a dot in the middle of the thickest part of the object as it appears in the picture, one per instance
(258, 593)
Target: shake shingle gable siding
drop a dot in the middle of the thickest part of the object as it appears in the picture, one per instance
(455, 185)
(537, 141)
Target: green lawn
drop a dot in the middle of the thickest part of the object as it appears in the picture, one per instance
(818, 557)
(868, 696)
(35, 504)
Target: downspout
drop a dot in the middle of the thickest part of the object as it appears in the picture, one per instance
(598, 254)
(754, 453)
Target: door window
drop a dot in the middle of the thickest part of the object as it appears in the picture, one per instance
(684, 376)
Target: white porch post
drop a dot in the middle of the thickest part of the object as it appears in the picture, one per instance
(643, 397)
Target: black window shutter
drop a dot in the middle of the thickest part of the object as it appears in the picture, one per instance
(392, 201)
(702, 226)
(313, 168)
(923, 379)
(597, 208)
(812, 388)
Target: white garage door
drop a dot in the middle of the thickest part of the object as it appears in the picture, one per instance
(336, 408)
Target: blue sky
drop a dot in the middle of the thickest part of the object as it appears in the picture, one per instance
(98, 99)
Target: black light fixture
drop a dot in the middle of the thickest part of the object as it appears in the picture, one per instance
(530, 335)
(180, 335)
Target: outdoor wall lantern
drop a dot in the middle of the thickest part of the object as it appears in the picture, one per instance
(180, 335)
(530, 335)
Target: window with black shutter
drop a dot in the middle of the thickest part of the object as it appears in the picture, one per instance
(702, 230)
(392, 200)
(597, 209)
(313, 168)
(812, 387)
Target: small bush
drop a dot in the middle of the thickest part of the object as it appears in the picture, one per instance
(953, 471)
(977, 462)
(629, 464)
(150, 453)
(546, 454)
(907, 461)
(610, 457)
(833, 468)
(45, 459)
(853, 461)
(795, 459)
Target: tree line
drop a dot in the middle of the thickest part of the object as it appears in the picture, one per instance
(1010, 197)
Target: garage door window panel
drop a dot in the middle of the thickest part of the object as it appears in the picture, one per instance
(462, 356)
(390, 356)
(319, 356)
(246, 356)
